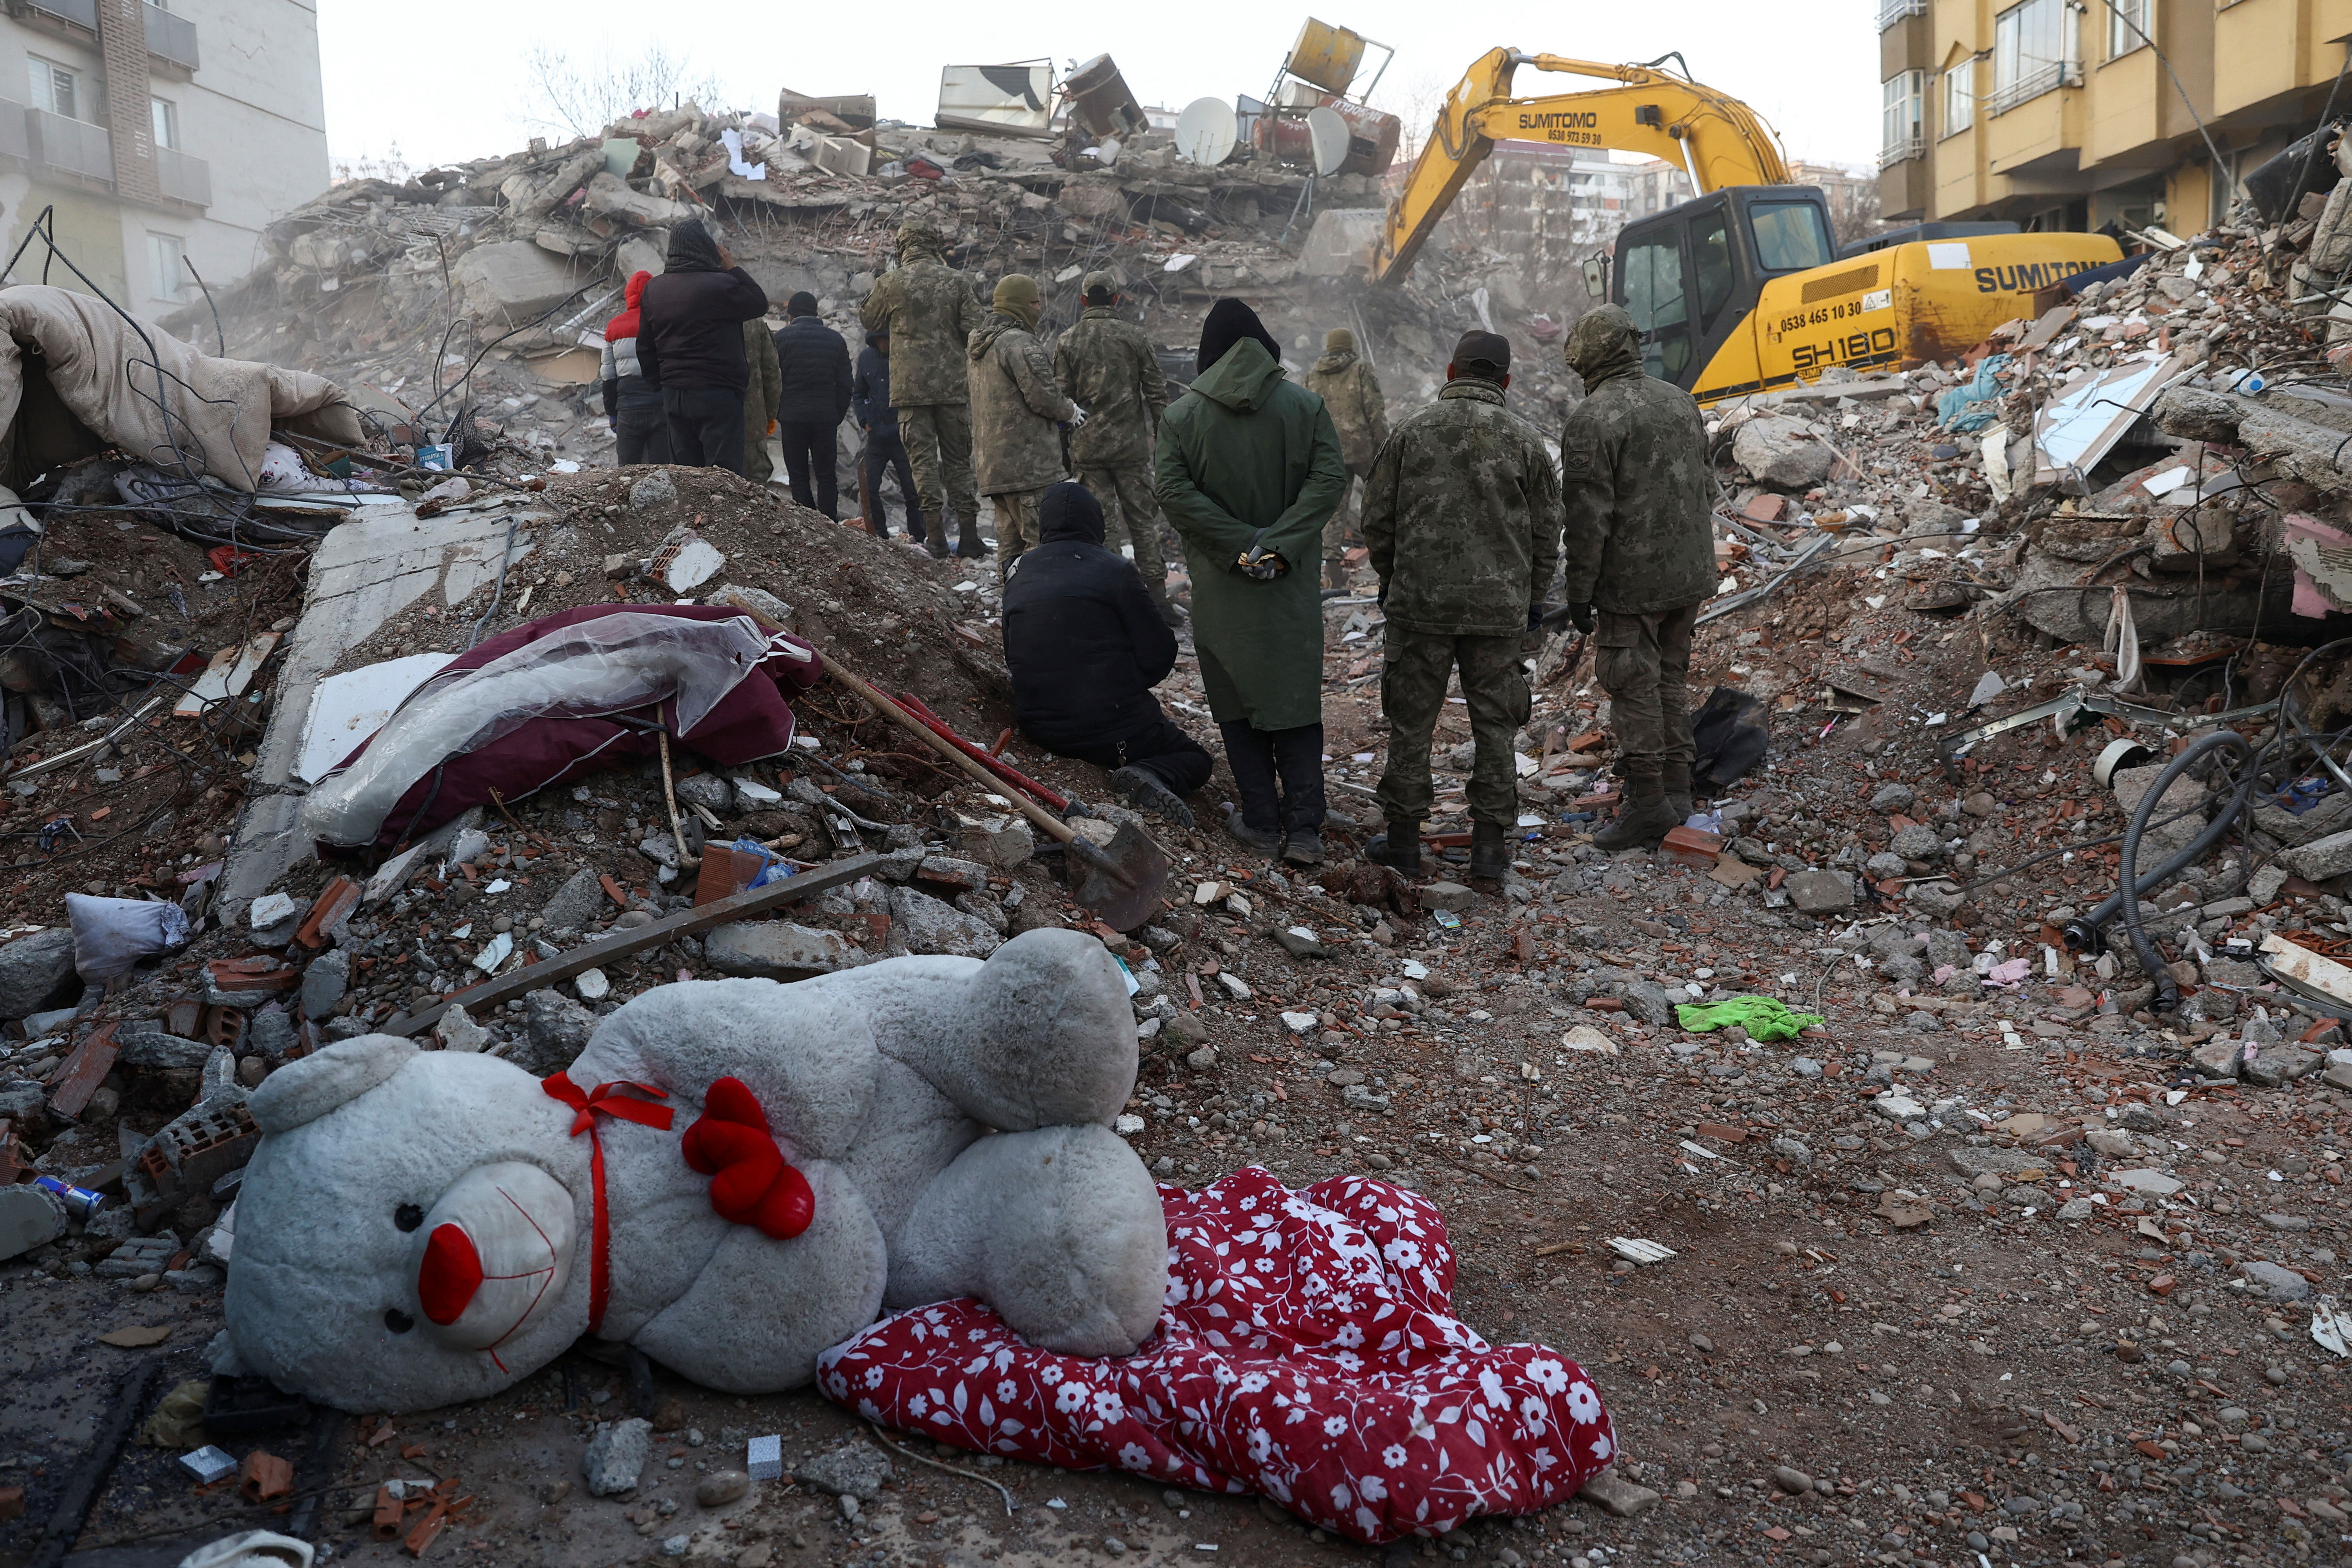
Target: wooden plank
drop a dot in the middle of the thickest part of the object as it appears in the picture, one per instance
(622, 944)
(2322, 973)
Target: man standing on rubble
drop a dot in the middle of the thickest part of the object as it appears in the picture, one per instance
(759, 401)
(690, 344)
(1110, 368)
(1249, 471)
(1640, 557)
(1086, 645)
(814, 364)
(1017, 414)
(1462, 512)
(1358, 412)
(869, 399)
(929, 312)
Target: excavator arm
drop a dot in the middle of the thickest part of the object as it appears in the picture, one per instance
(1718, 140)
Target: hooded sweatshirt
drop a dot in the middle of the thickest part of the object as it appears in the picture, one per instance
(1246, 456)
(1082, 638)
(1633, 478)
(1358, 412)
(690, 332)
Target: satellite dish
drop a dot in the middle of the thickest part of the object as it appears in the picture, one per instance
(1329, 134)
(1205, 132)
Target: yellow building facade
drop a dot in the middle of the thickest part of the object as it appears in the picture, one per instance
(2079, 114)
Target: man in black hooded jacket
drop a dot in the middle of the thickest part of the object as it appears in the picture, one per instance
(690, 344)
(1085, 646)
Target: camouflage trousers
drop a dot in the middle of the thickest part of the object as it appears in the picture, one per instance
(1016, 526)
(1643, 663)
(1126, 494)
(1346, 519)
(937, 438)
(1414, 668)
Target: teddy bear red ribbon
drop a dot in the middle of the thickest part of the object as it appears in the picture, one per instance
(751, 1181)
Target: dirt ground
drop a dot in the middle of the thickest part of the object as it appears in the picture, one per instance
(1855, 1352)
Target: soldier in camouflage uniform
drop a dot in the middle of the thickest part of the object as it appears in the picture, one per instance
(1017, 414)
(1462, 511)
(1641, 552)
(1109, 367)
(930, 312)
(1358, 412)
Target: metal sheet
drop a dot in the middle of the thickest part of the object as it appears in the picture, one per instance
(1013, 100)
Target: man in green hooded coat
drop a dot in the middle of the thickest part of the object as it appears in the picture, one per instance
(1640, 560)
(1248, 471)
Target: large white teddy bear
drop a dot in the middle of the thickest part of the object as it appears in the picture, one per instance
(733, 1176)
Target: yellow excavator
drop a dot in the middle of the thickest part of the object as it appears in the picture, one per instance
(1742, 289)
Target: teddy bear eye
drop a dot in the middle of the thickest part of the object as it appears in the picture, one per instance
(398, 1322)
(408, 1217)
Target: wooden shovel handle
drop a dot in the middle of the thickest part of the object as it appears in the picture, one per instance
(1060, 830)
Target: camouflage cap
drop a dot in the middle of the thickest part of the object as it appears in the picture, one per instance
(919, 236)
(1483, 353)
(1099, 282)
(1339, 340)
(1603, 344)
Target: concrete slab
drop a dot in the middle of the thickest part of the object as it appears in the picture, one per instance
(347, 708)
(364, 572)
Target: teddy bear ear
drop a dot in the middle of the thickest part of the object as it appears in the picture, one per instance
(308, 1087)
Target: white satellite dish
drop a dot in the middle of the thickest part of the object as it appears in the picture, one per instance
(1205, 132)
(1329, 133)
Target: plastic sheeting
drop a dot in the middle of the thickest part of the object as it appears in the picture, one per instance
(606, 665)
(1962, 408)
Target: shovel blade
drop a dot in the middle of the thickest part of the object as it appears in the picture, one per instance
(1123, 880)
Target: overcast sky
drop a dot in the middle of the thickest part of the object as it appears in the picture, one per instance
(443, 81)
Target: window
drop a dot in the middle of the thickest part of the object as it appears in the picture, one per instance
(56, 88)
(1790, 236)
(167, 274)
(1653, 298)
(2036, 48)
(1711, 261)
(1959, 98)
(2130, 24)
(165, 116)
(1900, 132)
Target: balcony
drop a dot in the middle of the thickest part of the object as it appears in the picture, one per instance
(169, 37)
(70, 146)
(2033, 84)
(184, 178)
(1901, 151)
(79, 13)
(1893, 11)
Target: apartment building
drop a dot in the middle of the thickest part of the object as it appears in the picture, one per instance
(1544, 199)
(156, 135)
(2062, 114)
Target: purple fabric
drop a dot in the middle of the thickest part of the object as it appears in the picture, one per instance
(753, 720)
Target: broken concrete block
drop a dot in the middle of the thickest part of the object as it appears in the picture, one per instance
(947, 876)
(1446, 896)
(708, 790)
(2132, 785)
(778, 950)
(151, 1047)
(927, 925)
(37, 971)
(2218, 1059)
(617, 1455)
(455, 1030)
(2274, 1065)
(999, 841)
(1782, 452)
(853, 1470)
(2322, 857)
(513, 282)
(576, 903)
(614, 197)
(1821, 891)
(555, 1030)
(2282, 1284)
(654, 490)
(324, 983)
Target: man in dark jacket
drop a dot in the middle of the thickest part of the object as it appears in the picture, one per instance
(869, 399)
(814, 364)
(1640, 551)
(690, 344)
(1085, 646)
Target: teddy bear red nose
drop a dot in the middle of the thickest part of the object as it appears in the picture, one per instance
(450, 1274)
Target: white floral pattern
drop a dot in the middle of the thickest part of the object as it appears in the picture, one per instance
(1306, 1352)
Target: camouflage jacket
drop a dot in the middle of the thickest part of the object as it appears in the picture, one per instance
(1634, 477)
(1352, 393)
(1109, 368)
(1016, 410)
(1462, 513)
(930, 312)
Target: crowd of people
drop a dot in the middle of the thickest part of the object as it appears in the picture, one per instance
(1468, 523)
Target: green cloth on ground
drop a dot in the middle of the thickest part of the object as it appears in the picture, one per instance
(1764, 1017)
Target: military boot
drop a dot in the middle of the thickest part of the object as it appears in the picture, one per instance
(1399, 849)
(1490, 855)
(1676, 780)
(1642, 821)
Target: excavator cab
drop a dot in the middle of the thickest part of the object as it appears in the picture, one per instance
(1690, 276)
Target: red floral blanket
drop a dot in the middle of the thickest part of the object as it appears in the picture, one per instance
(1306, 1352)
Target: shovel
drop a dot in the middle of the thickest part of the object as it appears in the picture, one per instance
(1121, 882)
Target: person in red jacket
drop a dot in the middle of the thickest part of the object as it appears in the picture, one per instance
(690, 344)
(633, 406)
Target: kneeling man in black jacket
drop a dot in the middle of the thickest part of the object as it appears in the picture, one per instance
(1085, 646)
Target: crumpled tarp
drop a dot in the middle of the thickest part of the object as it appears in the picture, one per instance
(160, 400)
(1958, 408)
(557, 697)
(1306, 1351)
(1764, 1017)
